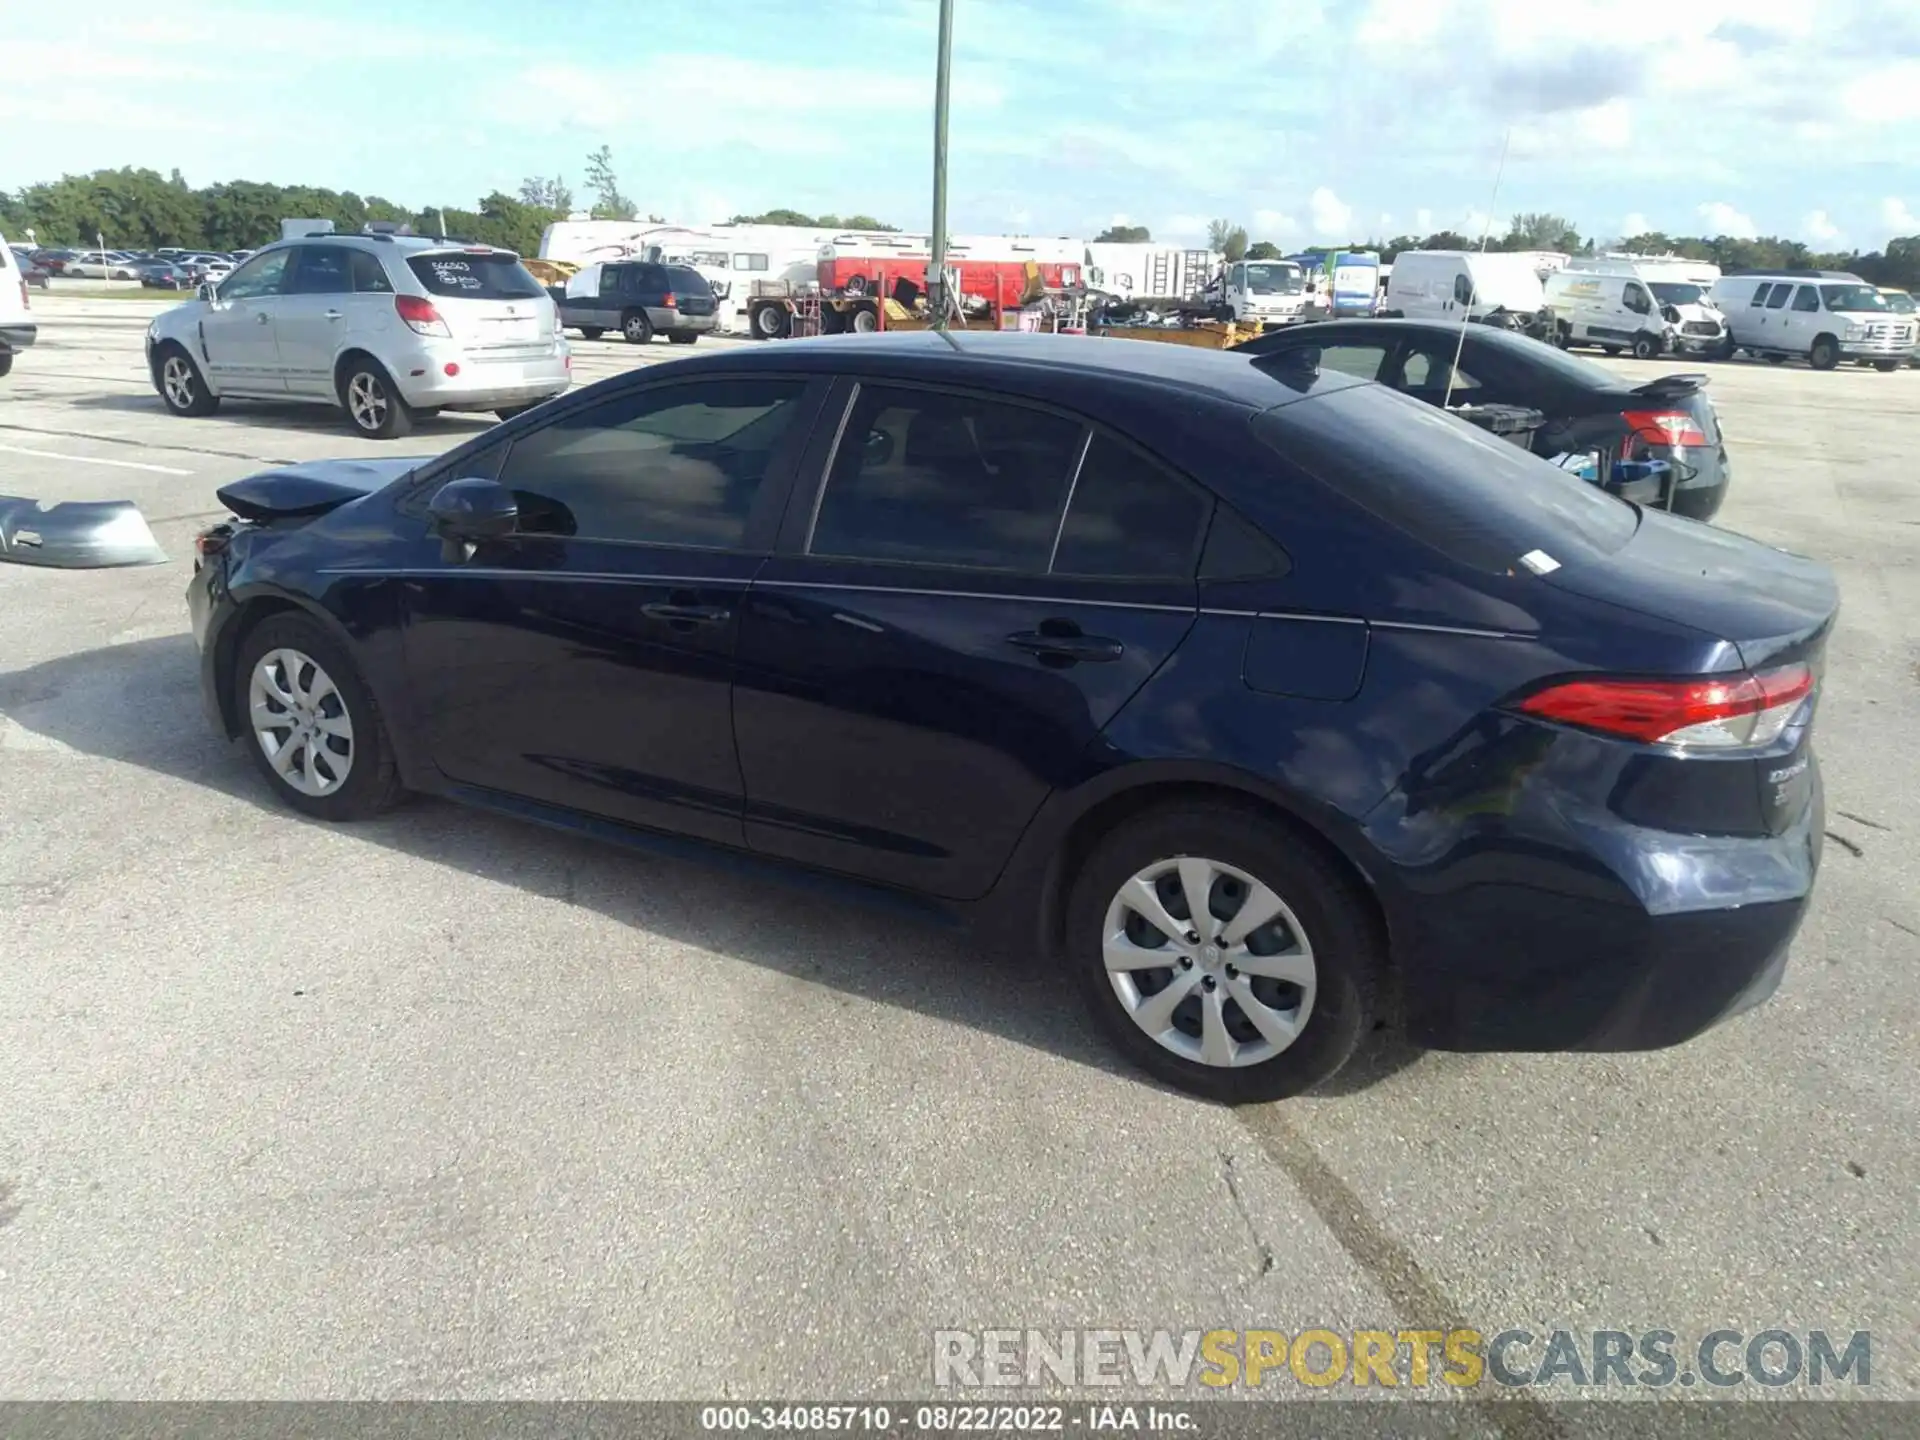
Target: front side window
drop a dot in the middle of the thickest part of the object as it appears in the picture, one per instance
(1129, 518)
(673, 465)
(1636, 300)
(258, 277)
(1427, 369)
(1806, 299)
(1463, 289)
(935, 478)
(1360, 361)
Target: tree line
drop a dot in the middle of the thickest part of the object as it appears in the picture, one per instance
(139, 209)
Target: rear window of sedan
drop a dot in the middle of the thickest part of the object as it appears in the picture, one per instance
(1478, 499)
(463, 276)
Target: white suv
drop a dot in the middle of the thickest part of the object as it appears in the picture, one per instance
(17, 330)
(391, 328)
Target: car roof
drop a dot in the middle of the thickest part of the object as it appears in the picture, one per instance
(1039, 364)
(1568, 369)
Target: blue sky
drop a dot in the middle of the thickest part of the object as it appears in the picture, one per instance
(1303, 119)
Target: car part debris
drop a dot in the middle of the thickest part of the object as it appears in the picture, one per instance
(76, 534)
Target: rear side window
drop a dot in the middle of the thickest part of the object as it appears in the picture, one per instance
(934, 478)
(474, 277)
(1129, 518)
(1778, 299)
(691, 282)
(369, 275)
(1478, 499)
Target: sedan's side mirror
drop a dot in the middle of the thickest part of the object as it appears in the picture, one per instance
(474, 510)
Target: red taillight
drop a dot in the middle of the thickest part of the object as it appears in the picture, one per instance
(1701, 714)
(419, 315)
(669, 301)
(1663, 427)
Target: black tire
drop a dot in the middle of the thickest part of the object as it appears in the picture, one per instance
(510, 411)
(6, 362)
(592, 332)
(183, 389)
(374, 406)
(684, 337)
(1825, 353)
(1776, 359)
(1336, 919)
(372, 782)
(1726, 349)
(636, 328)
(864, 320)
(1611, 349)
(1646, 347)
(772, 322)
(1886, 367)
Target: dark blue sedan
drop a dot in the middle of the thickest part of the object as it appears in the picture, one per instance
(1271, 702)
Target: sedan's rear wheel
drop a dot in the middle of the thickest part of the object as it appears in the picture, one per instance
(313, 727)
(1223, 956)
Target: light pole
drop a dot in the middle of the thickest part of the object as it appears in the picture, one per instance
(937, 281)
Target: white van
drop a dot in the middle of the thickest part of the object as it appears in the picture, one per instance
(17, 330)
(1623, 309)
(1825, 316)
(1485, 286)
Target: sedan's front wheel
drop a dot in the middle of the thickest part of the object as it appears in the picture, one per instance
(1222, 954)
(311, 723)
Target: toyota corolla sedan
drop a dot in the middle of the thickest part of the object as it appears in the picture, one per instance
(1267, 701)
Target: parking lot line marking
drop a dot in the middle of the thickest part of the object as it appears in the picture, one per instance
(94, 460)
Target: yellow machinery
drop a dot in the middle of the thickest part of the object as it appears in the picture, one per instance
(551, 272)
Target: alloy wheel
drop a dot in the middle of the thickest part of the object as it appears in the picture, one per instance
(1209, 962)
(300, 722)
(176, 378)
(367, 401)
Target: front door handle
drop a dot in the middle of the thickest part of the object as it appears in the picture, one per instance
(333, 314)
(260, 317)
(677, 614)
(1062, 643)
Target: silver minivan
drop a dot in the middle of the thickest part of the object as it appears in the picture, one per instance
(390, 328)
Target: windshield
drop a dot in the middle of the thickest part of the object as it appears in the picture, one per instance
(1899, 301)
(1854, 297)
(1274, 278)
(1676, 293)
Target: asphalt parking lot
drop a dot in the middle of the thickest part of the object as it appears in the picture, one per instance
(445, 1106)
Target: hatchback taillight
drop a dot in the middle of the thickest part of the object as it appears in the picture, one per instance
(420, 316)
(1727, 713)
(1662, 427)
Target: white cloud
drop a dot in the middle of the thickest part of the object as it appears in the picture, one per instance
(1818, 226)
(1274, 225)
(1884, 96)
(1634, 223)
(1332, 216)
(1722, 219)
(1897, 218)
(1182, 227)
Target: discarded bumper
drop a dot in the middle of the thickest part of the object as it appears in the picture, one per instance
(76, 535)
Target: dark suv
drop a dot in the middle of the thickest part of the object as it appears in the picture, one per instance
(640, 300)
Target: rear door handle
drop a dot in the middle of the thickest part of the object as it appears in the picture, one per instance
(687, 614)
(260, 317)
(333, 314)
(1071, 647)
